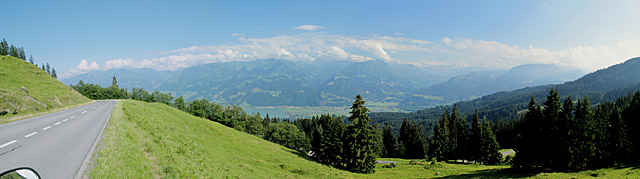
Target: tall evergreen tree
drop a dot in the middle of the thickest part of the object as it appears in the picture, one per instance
(389, 140)
(404, 137)
(528, 146)
(619, 145)
(360, 140)
(439, 145)
(53, 73)
(475, 138)
(490, 153)
(48, 70)
(31, 60)
(4, 47)
(585, 138)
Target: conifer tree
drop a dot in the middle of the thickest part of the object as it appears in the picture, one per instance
(48, 70)
(389, 140)
(489, 146)
(4, 47)
(528, 146)
(439, 146)
(53, 73)
(475, 138)
(403, 139)
(31, 59)
(360, 140)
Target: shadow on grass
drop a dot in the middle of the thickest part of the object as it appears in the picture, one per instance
(494, 173)
(300, 154)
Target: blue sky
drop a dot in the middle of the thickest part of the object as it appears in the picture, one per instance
(81, 36)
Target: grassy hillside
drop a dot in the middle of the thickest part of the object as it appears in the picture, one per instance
(152, 139)
(41, 92)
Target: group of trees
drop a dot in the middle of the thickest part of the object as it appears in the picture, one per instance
(410, 143)
(453, 141)
(14, 51)
(567, 137)
(352, 145)
(96, 92)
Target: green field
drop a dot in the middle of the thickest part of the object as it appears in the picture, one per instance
(43, 92)
(152, 140)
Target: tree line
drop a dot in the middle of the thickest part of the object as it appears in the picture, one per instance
(14, 51)
(564, 136)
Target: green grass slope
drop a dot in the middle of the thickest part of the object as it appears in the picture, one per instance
(43, 92)
(152, 140)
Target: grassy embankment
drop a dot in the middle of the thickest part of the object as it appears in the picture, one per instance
(151, 140)
(41, 94)
(146, 140)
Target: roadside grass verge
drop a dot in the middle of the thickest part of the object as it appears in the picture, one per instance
(152, 140)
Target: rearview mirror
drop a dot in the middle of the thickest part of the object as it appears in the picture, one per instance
(20, 173)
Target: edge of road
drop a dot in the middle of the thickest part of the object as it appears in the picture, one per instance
(85, 168)
(36, 114)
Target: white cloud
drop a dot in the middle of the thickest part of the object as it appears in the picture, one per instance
(309, 27)
(461, 52)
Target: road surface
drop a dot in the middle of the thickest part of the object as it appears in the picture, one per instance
(55, 145)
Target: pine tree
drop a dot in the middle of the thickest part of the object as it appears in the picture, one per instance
(475, 138)
(44, 69)
(439, 145)
(458, 134)
(528, 146)
(48, 70)
(389, 141)
(114, 82)
(631, 116)
(360, 140)
(619, 145)
(21, 54)
(404, 137)
(585, 145)
(31, 59)
(416, 142)
(4, 47)
(53, 73)
(489, 146)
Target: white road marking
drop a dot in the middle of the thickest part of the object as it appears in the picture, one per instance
(72, 117)
(46, 128)
(29, 135)
(84, 112)
(65, 120)
(8, 143)
(57, 123)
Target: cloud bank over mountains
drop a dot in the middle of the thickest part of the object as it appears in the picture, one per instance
(310, 46)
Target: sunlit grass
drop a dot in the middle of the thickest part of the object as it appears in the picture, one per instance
(43, 92)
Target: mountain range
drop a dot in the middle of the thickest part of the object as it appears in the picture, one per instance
(275, 82)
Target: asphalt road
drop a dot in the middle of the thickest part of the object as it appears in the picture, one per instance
(55, 145)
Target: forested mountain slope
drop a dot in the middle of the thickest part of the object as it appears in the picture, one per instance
(603, 85)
